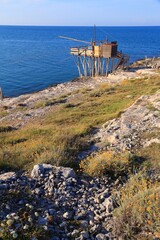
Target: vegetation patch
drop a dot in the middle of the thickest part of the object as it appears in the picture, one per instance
(138, 213)
(151, 154)
(4, 129)
(104, 162)
(3, 113)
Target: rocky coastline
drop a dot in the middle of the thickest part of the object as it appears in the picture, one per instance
(58, 203)
(21, 110)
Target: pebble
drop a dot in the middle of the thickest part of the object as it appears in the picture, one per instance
(100, 236)
(67, 215)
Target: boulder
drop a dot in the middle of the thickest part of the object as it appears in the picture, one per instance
(40, 169)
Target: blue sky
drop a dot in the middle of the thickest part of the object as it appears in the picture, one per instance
(80, 12)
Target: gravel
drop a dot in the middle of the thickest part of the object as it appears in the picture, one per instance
(67, 204)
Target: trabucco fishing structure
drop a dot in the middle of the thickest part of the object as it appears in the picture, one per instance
(97, 59)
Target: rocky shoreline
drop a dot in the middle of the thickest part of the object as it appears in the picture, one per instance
(23, 109)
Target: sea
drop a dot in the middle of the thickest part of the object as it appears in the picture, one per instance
(33, 57)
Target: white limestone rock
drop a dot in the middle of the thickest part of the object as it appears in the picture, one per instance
(40, 169)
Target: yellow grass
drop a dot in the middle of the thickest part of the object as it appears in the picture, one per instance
(139, 210)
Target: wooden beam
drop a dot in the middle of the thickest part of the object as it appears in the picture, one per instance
(1, 94)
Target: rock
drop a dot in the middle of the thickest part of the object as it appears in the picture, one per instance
(10, 222)
(81, 215)
(108, 203)
(40, 169)
(7, 207)
(68, 215)
(37, 190)
(42, 221)
(7, 176)
(112, 138)
(84, 224)
(109, 227)
(52, 211)
(67, 172)
(84, 235)
(95, 229)
(21, 202)
(100, 236)
(50, 219)
(63, 224)
(75, 233)
(102, 196)
(3, 186)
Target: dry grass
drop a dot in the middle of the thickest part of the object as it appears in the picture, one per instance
(139, 212)
(106, 162)
(3, 113)
(65, 131)
(151, 155)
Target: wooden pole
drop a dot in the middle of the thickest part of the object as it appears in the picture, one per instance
(107, 66)
(79, 69)
(90, 66)
(99, 66)
(1, 94)
(102, 66)
(88, 62)
(93, 66)
(85, 67)
(112, 67)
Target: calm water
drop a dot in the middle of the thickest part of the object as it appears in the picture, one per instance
(33, 58)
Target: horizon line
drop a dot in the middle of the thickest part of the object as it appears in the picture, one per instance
(19, 25)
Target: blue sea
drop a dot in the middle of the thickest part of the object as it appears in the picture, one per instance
(33, 58)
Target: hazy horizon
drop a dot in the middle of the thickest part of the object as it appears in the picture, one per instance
(80, 12)
(19, 25)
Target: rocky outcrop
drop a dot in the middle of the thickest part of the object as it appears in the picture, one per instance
(125, 133)
(153, 63)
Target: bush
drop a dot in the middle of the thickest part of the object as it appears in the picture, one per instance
(139, 208)
(107, 162)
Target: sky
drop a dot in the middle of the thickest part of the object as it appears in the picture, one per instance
(80, 12)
